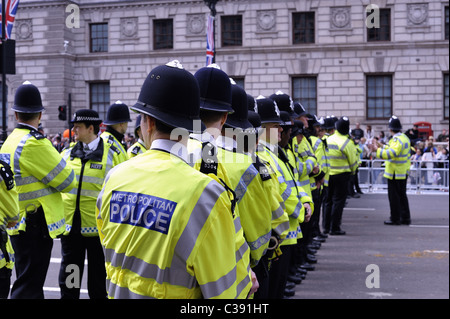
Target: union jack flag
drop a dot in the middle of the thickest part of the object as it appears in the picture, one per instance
(11, 10)
(210, 41)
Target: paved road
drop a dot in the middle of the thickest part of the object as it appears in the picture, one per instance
(413, 261)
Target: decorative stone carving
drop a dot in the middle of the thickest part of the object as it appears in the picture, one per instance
(340, 18)
(128, 28)
(24, 29)
(196, 24)
(266, 20)
(417, 14)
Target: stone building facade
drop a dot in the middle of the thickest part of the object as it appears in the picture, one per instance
(321, 52)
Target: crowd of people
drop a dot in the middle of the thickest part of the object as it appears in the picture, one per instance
(221, 195)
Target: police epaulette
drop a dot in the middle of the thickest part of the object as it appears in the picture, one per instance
(115, 149)
(7, 175)
(262, 169)
(111, 139)
(209, 159)
(37, 135)
(135, 150)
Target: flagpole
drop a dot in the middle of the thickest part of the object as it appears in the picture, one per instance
(4, 93)
(212, 7)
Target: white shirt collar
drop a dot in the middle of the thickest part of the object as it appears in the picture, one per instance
(172, 147)
(227, 143)
(30, 126)
(92, 145)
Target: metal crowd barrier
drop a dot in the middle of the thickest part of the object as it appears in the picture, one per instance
(424, 176)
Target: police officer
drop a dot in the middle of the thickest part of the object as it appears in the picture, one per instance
(41, 174)
(270, 152)
(216, 103)
(396, 153)
(116, 122)
(328, 129)
(9, 216)
(165, 237)
(138, 147)
(91, 159)
(343, 163)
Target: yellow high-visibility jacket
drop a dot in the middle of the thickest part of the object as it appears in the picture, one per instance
(341, 154)
(9, 211)
(397, 154)
(120, 150)
(90, 171)
(167, 229)
(254, 207)
(41, 174)
(136, 149)
(199, 147)
(288, 191)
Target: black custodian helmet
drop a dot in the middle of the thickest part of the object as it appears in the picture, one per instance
(27, 99)
(215, 89)
(171, 95)
(268, 110)
(394, 123)
(238, 119)
(117, 113)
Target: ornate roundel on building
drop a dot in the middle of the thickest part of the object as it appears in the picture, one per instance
(417, 13)
(129, 27)
(196, 24)
(266, 20)
(340, 17)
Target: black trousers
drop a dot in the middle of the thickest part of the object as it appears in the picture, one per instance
(73, 250)
(33, 249)
(5, 282)
(261, 271)
(335, 201)
(278, 273)
(315, 218)
(398, 201)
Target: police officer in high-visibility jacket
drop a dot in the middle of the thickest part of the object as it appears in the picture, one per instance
(343, 163)
(116, 122)
(397, 156)
(166, 228)
(91, 159)
(41, 174)
(269, 151)
(138, 147)
(216, 100)
(9, 216)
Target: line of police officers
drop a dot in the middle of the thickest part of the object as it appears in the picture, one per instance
(219, 198)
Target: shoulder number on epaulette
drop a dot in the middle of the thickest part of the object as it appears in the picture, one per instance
(7, 175)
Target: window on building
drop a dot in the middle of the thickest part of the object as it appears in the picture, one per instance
(231, 30)
(383, 33)
(305, 92)
(162, 34)
(446, 22)
(379, 96)
(239, 81)
(303, 27)
(99, 37)
(99, 99)
(446, 106)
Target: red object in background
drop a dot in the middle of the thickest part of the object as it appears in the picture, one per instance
(425, 130)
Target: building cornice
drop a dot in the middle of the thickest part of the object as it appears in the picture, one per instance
(443, 44)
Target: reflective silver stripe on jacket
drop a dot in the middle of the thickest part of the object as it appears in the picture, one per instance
(176, 274)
